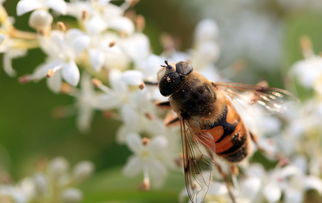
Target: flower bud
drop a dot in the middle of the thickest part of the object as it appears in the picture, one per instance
(83, 170)
(58, 167)
(40, 19)
(71, 195)
(41, 184)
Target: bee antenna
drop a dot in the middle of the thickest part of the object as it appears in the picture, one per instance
(167, 65)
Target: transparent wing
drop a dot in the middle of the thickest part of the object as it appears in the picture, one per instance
(197, 162)
(273, 99)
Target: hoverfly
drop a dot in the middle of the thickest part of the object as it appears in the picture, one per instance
(211, 127)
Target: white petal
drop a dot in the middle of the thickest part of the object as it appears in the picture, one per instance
(137, 47)
(95, 25)
(25, 6)
(78, 40)
(58, 5)
(116, 58)
(71, 195)
(157, 171)
(130, 116)
(289, 171)
(207, 30)
(7, 60)
(293, 196)
(150, 66)
(106, 101)
(133, 166)
(71, 73)
(272, 192)
(86, 85)
(54, 82)
(134, 142)
(84, 118)
(96, 58)
(217, 188)
(122, 133)
(158, 144)
(117, 84)
(122, 24)
(312, 182)
(250, 187)
(132, 77)
(43, 69)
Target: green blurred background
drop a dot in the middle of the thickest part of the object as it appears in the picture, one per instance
(29, 131)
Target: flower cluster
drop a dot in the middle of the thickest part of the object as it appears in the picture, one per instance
(102, 59)
(54, 182)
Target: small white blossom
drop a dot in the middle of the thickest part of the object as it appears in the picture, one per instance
(308, 71)
(63, 50)
(146, 158)
(25, 6)
(71, 195)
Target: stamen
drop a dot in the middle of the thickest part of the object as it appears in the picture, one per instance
(61, 26)
(142, 86)
(148, 116)
(145, 184)
(84, 15)
(111, 44)
(145, 141)
(66, 88)
(98, 84)
(140, 22)
(24, 79)
(306, 46)
(50, 73)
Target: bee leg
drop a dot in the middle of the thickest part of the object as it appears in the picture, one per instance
(234, 170)
(227, 182)
(282, 160)
(151, 83)
(163, 104)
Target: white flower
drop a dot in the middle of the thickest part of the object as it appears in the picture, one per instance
(101, 15)
(206, 30)
(146, 158)
(20, 193)
(83, 170)
(290, 181)
(71, 195)
(63, 50)
(120, 93)
(137, 47)
(11, 49)
(25, 6)
(308, 71)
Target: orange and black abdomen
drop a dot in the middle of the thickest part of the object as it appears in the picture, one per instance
(230, 135)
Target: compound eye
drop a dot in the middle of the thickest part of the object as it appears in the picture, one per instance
(184, 68)
(170, 83)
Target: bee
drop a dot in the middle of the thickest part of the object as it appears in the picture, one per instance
(211, 127)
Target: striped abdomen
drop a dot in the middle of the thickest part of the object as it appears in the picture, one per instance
(229, 134)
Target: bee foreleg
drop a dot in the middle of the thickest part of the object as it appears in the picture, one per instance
(151, 83)
(282, 160)
(163, 104)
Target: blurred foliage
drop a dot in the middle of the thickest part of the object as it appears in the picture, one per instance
(29, 132)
